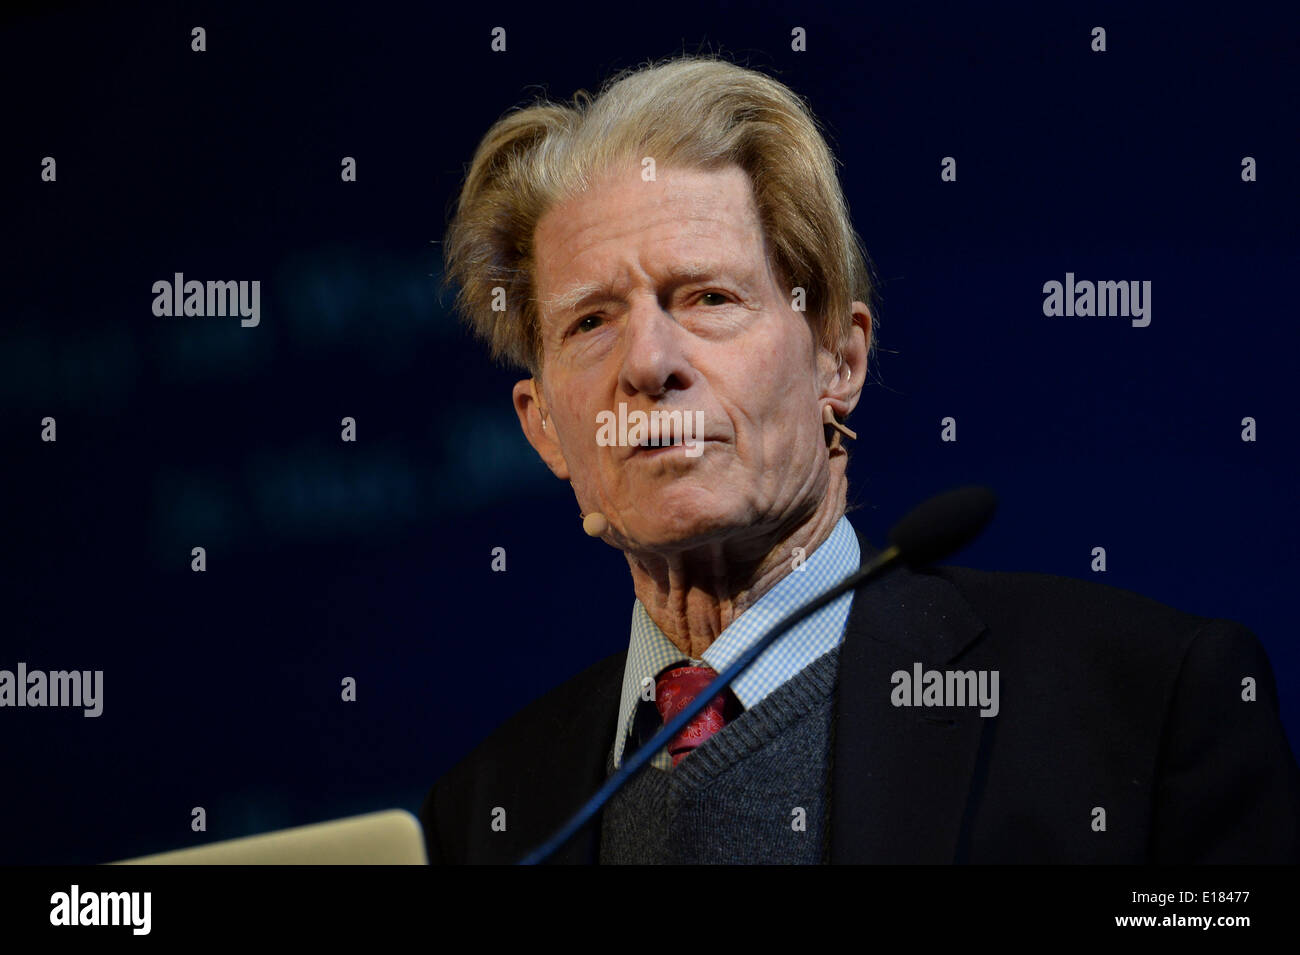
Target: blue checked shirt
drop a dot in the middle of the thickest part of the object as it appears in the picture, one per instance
(650, 651)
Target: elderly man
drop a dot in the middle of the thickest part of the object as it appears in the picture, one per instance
(681, 244)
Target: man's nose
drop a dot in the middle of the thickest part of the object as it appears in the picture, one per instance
(653, 348)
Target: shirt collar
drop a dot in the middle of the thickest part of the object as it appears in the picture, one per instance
(650, 651)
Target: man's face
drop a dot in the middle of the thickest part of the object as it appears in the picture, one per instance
(676, 308)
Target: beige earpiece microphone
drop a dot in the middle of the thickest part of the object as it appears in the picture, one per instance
(828, 419)
(595, 524)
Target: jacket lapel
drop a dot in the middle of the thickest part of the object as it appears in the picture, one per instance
(603, 699)
(901, 776)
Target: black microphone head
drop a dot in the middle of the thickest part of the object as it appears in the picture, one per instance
(943, 525)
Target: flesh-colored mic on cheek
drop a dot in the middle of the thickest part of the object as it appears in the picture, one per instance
(595, 524)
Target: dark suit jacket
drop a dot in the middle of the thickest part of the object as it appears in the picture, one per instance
(1107, 699)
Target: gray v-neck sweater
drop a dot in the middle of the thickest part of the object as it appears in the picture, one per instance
(756, 792)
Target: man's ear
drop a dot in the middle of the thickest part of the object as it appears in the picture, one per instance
(538, 428)
(842, 383)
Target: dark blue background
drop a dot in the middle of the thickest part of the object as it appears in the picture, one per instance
(372, 560)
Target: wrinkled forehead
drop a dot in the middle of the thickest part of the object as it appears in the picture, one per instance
(685, 224)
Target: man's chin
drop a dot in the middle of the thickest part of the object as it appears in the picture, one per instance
(669, 531)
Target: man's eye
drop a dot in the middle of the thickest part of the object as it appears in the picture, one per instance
(722, 298)
(582, 325)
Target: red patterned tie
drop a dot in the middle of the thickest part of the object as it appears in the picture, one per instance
(675, 689)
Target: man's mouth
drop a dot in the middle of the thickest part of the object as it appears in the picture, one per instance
(668, 445)
(664, 441)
